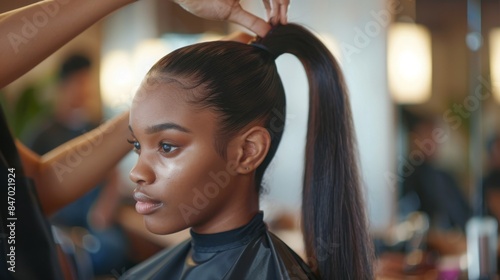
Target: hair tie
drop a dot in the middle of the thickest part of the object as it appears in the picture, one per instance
(264, 48)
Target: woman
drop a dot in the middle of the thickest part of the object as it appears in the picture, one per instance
(31, 34)
(204, 124)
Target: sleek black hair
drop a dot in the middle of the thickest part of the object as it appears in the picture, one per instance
(241, 83)
(73, 64)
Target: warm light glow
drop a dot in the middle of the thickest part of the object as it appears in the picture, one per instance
(116, 78)
(409, 63)
(123, 71)
(146, 54)
(495, 61)
(209, 36)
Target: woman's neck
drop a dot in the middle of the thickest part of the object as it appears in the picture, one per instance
(243, 207)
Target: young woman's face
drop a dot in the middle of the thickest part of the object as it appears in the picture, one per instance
(181, 179)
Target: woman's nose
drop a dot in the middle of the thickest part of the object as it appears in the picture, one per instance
(142, 173)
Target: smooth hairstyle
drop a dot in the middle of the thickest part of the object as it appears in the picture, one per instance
(241, 83)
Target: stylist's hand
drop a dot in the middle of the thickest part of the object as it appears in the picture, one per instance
(231, 10)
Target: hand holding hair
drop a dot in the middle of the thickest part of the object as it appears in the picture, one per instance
(277, 11)
(73, 17)
(231, 10)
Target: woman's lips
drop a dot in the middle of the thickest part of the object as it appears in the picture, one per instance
(146, 205)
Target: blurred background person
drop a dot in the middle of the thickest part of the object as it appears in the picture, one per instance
(491, 181)
(70, 115)
(427, 187)
(89, 221)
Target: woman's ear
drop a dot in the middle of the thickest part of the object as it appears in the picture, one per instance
(251, 149)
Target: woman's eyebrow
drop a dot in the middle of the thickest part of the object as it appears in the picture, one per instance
(165, 126)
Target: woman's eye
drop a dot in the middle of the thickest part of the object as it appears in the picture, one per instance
(167, 148)
(137, 146)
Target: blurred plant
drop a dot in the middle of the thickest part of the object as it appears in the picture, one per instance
(26, 111)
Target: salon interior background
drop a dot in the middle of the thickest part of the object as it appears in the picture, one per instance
(126, 43)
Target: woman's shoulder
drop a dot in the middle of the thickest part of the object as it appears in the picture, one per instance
(268, 257)
(264, 257)
(167, 260)
(295, 267)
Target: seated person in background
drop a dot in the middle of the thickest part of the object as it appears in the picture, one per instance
(491, 181)
(94, 211)
(428, 188)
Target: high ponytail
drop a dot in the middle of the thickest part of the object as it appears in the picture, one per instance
(241, 83)
(333, 216)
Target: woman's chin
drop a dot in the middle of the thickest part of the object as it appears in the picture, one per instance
(162, 227)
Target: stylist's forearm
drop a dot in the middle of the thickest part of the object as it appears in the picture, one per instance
(72, 169)
(42, 28)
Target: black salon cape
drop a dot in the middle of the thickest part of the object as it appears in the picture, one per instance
(247, 253)
(28, 243)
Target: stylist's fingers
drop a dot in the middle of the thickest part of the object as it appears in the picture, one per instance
(278, 11)
(250, 21)
(267, 5)
(274, 11)
(284, 11)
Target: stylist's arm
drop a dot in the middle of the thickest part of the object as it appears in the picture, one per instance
(32, 33)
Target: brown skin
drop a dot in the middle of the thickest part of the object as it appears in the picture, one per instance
(173, 164)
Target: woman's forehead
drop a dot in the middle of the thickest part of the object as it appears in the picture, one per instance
(164, 98)
(167, 103)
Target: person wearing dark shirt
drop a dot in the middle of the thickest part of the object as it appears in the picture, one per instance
(438, 195)
(491, 181)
